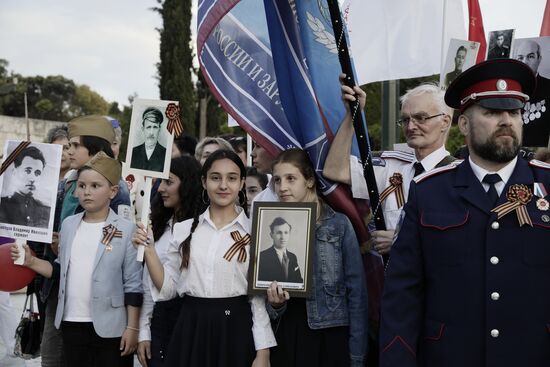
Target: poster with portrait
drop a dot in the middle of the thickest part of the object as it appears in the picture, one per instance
(28, 190)
(535, 53)
(461, 55)
(149, 141)
(500, 44)
(283, 238)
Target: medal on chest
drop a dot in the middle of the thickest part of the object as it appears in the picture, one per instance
(518, 196)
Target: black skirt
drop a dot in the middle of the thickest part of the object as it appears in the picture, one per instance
(165, 315)
(299, 345)
(212, 332)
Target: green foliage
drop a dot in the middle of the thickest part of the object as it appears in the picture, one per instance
(176, 59)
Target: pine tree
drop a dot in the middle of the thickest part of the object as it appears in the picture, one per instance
(176, 59)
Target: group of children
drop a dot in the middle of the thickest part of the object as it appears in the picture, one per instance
(189, 303)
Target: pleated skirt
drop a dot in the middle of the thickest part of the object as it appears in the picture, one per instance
(212, 332)
(165, 316)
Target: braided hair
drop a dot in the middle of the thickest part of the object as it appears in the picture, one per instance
(185, 246)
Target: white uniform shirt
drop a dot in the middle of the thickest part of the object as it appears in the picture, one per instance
(505, 173)
(391, 162)
(146, 312)
(209, 275)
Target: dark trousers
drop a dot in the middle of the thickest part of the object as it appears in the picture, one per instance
(84, 348)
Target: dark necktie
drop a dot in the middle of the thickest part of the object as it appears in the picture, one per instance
(418, 168)
(492, 179)
(285, 265)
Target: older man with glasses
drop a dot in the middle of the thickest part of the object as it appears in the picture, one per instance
(425, 120)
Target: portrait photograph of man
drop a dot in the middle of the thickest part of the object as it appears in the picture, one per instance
(27, 197)
(535, 53)
(461, 55)
(282, 237)
(500, 44)
(149, 148)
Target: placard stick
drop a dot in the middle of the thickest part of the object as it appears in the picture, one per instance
(21, 259)
(145, 209)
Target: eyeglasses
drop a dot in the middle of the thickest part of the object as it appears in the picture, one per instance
(418, 118)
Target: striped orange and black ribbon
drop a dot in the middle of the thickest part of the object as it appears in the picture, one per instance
(396, 185)
(518, 196)
(9, 160)
(174, 119)
(110, 232)
(238, 246)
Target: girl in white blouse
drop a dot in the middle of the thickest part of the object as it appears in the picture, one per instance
(207, 264)
(178, 198)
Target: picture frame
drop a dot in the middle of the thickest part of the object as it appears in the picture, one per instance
(282, 247)
(28, 190)
(141, 158)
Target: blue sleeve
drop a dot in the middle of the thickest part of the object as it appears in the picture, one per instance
(356, 292)
(132, 272)
(122, 197)
(402, 300)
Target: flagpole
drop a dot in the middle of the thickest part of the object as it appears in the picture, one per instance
(358, 122)
(443, 36)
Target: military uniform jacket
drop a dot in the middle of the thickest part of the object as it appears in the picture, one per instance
(463, 288)
(154, 163)
(24, 210)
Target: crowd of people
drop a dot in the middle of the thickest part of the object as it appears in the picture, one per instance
(458, 264)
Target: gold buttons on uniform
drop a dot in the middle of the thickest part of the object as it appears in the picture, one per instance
(495, 225)
(495, 296)
(494, 260)
(495, 333)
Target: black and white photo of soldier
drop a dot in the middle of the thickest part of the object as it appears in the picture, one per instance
(500, 43)
(22, 207)
(536, 117)
(151, 154)
(459, 60)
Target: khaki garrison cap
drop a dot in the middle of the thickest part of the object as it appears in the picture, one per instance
(110, 168)
(92, 125)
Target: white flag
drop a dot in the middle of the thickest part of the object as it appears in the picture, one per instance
(398, 39)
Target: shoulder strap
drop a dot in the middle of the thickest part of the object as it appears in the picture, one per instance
(445, 161)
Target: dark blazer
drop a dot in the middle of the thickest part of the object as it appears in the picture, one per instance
(155, 163)
(24, 210)
(271, 268)
(462, 287)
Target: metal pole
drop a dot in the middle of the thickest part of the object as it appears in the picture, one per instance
(358, 121)
(389, 95)
(27, 119)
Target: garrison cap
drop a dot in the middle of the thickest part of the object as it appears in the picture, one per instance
(108, 167)
(92, 125)
(498, 84)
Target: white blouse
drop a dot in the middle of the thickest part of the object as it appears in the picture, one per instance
(146, 312)
(209, 275)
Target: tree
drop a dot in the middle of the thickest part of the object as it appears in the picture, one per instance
(176, 59)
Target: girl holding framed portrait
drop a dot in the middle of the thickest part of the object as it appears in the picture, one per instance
(330, 327)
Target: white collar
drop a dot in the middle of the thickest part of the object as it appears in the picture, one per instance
(241, 219)
(431, 160)
(504, 173)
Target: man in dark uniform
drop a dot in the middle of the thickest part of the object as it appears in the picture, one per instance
(499, 50)
(277, 263)
(22, 208)
(467, 283)
(460, 57)
(150, 155)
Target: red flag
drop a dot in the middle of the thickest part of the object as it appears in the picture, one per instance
(475, 29)
(545, 28)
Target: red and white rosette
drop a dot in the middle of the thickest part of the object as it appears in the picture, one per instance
(396, 185)
(174, 121)
(518, 196)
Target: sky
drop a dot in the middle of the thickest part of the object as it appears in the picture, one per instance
(113, 45)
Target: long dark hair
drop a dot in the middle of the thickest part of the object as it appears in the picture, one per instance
(185, 246)
(187, 169)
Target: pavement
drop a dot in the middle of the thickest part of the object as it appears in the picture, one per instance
(18, 300)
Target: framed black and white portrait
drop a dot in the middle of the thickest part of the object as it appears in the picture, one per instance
(461, 55)
(28, 190)
(283, 236)
(150, 143)
(500, 44)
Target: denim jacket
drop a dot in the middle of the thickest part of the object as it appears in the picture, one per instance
(339, 293)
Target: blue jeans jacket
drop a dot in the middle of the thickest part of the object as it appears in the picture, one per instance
(339, 294)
